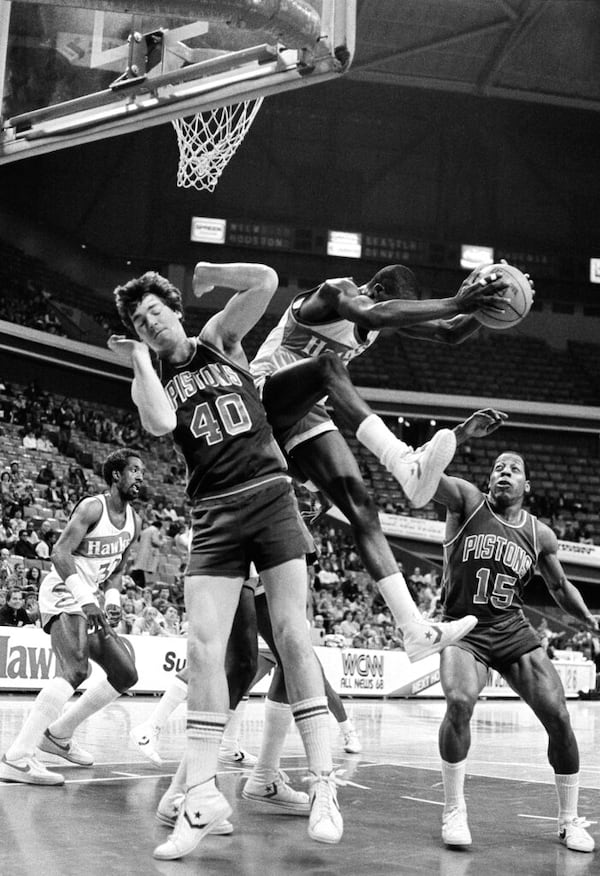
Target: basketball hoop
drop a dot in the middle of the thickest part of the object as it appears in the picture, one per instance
(208, 140)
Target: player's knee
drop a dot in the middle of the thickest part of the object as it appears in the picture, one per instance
(125, 678)
(459, 707)
(332, 368)
(76, 673)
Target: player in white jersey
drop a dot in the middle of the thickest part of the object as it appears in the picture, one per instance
(87, 559)
(304, 359)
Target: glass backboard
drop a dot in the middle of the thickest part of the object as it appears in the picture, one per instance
(79, 70)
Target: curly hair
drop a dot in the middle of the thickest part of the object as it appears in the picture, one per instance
(128, 296)
(116, 461)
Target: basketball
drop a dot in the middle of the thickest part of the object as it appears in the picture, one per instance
(519, 298)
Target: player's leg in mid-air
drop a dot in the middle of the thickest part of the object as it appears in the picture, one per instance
(322, 454)
(292, 392)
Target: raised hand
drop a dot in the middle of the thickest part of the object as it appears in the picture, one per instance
(480, 424)
(125, 347)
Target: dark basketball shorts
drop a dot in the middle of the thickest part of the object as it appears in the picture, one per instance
(500, 644)
(260, 526)
(316, 421)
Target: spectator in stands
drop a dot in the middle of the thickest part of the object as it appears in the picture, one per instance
(44, 444)
(13, 614)
(45, 545)
(23, 546)
(5, 560)
(8, 536)
(29, 441)
(32, 535)
(150, 623)
(390, 638)
(33, 578)
(150, 542)
(4, 587)
(32, 609)
(76, 478)
(46, 474)
(348, 626)
(172, 622)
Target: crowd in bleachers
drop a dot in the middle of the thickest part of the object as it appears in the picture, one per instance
(58, 444)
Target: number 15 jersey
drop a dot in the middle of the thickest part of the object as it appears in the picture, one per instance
(487, 565)
(222, 428)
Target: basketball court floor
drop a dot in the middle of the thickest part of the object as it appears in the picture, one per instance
(102, 820)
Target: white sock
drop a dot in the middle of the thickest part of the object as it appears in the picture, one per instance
(178, 785)
(46, 708)
(567, 791)
(90, 702)
(233, 728)
(278, 717)
(175, 694)
(397, 596)
(453, 777)
(376, 437)
(346, 726)
(312, 720)
(204, 731)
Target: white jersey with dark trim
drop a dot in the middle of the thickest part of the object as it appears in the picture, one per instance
(99, 552)
(292, 340)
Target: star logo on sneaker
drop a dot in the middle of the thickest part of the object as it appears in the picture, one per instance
(429, 634)
(271, 790)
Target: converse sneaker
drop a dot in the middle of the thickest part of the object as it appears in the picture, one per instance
(66, 749)
(168, 810)
(28, 771)
(352, 742)
(277, 793)
(419, 471)
(455, 830)
(202, 809)
(145, 738)
(574, 836)
(325, 823)
(423, 637)
(236, 757)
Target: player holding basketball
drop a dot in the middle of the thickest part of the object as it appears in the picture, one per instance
(304, 359)
(89, 556)
(491, 549)
(243, 511)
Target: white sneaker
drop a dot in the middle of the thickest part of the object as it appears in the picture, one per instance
(202, 809)
(574, 836)
(28, 771)
(419, 471)
(277, 793)
(325, 822)
(455, 829)
(67, 749)
(236, 757)
(168, 810)
(423, 637)
(145, 738)
(352, 742)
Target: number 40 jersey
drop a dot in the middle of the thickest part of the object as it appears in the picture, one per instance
(487, 565)
(222, 428)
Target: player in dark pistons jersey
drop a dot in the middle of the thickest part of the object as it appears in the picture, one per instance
(244, 511)
(491, 550)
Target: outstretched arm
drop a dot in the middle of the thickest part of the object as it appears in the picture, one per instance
(343, 296)
(254, 285)
(564, 593)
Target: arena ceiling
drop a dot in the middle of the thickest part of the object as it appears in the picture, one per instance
(541, 51)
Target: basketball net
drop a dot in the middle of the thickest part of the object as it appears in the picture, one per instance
(208, 140)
